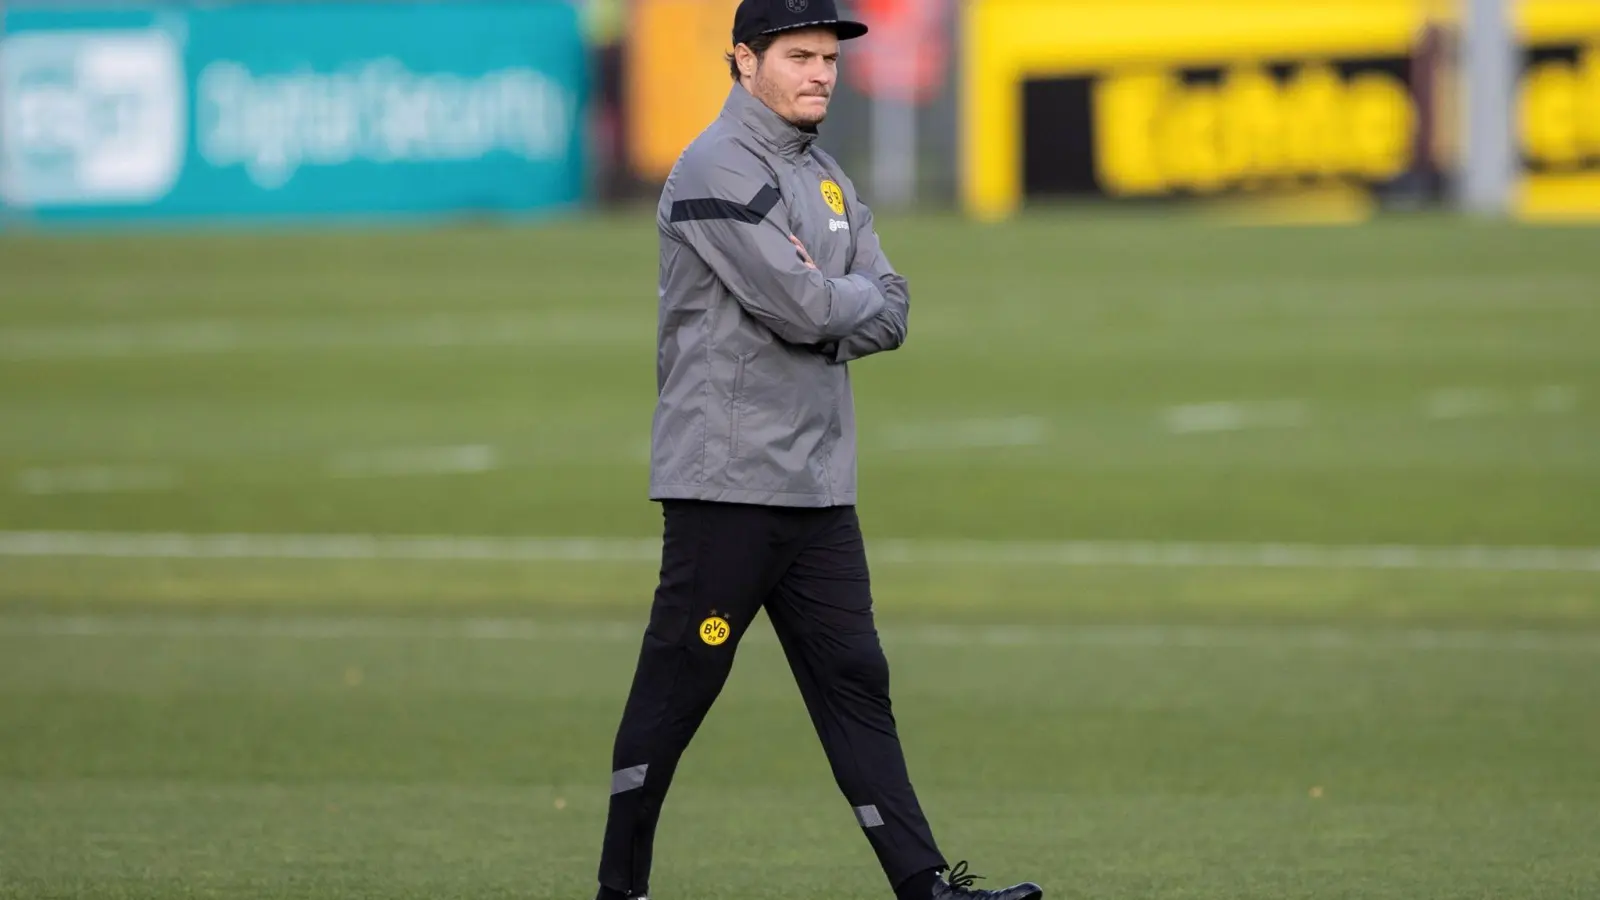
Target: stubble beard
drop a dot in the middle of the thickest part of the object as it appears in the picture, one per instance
(773, 97)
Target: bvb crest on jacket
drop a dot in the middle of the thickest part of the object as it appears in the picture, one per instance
(834, 197)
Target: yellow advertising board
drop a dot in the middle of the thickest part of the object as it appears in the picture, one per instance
(675, 77)
(1158, 98)
(1559, 130)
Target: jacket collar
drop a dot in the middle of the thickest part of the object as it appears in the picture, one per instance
(772, 129)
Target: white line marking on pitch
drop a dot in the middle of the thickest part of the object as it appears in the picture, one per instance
(1555, 399)
(95, 480)
(1135, 636)
(1462, 403)
(128, 545)
(967, 434)
(1468, 402)
(397, 461)
(1123, 554)
(181, 338)
(1233, 415)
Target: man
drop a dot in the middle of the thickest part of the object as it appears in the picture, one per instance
(772, 280)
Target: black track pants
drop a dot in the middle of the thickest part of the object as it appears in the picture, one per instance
(721, 564)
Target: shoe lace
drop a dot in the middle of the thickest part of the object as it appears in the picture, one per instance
(959, 878)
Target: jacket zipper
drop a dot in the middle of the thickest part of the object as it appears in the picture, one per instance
(738, 402)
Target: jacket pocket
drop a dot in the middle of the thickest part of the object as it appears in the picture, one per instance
(736, 403)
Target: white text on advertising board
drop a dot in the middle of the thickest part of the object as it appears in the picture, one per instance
(90, 117)
(1155, 133)
(375, 112)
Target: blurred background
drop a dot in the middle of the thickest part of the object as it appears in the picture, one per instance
(1233, 510)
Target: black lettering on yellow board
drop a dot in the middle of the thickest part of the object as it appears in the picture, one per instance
(1559, 109)
(1153, 131)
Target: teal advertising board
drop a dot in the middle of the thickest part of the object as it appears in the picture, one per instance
(291, 110)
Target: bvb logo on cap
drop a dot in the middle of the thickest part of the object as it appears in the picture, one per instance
(834, 197)
(715, 630)
(798, 6)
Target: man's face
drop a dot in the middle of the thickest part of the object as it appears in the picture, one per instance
(797, 75)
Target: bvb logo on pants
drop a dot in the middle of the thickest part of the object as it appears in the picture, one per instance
(715, 630)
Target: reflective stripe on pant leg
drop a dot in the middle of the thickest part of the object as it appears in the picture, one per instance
(868, 816)
(629, 779)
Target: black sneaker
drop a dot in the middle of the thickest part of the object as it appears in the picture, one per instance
(957, 885)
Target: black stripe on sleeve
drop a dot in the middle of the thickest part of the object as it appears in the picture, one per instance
(711, 208)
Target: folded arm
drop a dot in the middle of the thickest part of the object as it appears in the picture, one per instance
(731, 215)
(886, 330)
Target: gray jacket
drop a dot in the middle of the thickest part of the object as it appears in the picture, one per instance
(754, 400)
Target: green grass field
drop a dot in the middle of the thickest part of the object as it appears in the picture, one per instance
(1105, 678)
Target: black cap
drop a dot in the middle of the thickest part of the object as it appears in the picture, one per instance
(757, 17)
